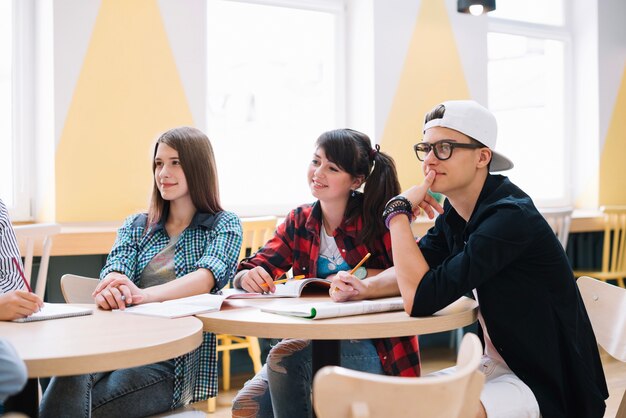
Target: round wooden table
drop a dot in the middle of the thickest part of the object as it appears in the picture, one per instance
(244, 317)
(99, 342)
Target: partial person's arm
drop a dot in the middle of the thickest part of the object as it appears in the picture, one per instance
(214, 269)
(116, 291)
(270, 261)
(12, 371)
(409, 262)
(10, 278)
(378, 284)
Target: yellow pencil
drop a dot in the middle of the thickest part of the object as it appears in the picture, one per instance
(360, 263)
(334, 289)
(301, 276)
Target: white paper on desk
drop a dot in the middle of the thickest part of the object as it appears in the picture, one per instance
(176, 308)
(289, 289)
(331, 309)
(56, 311)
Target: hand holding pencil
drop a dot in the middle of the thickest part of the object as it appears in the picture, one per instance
(341, 278)
(19, 303)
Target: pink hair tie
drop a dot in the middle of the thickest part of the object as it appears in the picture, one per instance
(374, 150)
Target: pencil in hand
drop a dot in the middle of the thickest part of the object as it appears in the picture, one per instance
(301, 276)
(19, 269)
(334, 288)
(360, 263)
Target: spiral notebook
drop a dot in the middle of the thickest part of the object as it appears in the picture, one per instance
(55, 311)
(322, 310)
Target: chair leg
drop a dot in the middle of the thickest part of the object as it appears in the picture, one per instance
(211, 405)
(226, 369)
(620, 282)
(254, 351)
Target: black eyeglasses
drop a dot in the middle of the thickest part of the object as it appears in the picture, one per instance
(442, 149)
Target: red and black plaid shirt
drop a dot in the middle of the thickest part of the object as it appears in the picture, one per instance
(296, 244)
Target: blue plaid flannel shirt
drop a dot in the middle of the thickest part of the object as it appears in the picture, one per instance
(209, 242)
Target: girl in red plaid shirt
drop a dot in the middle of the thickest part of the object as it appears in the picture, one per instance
(319, 240)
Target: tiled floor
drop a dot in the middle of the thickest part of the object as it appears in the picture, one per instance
(432, 359)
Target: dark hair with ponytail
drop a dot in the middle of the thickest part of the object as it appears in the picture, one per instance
(352, 151)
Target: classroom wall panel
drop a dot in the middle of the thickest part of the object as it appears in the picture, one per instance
(432, 73)
(126, 70)
(612, 163)
(612, 101)
(128, 91)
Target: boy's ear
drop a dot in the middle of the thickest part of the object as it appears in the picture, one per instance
(484, 157)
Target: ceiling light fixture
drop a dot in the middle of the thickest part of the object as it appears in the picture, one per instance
(475, 7)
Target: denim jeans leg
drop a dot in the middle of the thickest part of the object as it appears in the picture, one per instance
(360, 355)
(253, 400)
(134, 392)
(289, 378)
(289, 372)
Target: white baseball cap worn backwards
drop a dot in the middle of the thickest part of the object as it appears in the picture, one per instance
(475, 121)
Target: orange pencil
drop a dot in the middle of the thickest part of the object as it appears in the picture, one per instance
(301, 276)
(334, 289)
(360, 263)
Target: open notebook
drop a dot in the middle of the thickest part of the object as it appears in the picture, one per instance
(289, 289)
(55, 311)
(176, 308)
(327, 309)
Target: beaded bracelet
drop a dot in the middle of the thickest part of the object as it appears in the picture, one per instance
(395, 206)
(398, 212)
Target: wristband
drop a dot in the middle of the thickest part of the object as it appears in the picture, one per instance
(395, 206)
(394, 214)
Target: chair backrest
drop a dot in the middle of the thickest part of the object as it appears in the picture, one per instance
(559, 219)
(78, 289)
(606, 306)
(29, 238)
(342, 393)
(256, 232)
(614, 245)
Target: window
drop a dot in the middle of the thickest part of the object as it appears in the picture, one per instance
(6, 101)
(274, 85)
(527, 80)
(15, 27)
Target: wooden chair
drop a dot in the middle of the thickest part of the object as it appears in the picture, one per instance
(39, 237)
(605, 304)
(256, 232)
(613, 248)
(78, 289)
(343, 393)
(559, 219)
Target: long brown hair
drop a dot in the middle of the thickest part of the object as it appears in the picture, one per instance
(198, 163)
(352, 151)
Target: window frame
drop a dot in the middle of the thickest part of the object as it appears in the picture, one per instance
(561, 33)
(23, 110)
(338, 9)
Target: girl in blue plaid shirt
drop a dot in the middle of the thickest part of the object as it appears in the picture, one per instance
(185, 245)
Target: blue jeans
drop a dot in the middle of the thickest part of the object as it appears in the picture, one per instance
(135, 392)
(283, 386)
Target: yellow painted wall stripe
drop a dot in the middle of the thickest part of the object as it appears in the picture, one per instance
(432, 73)
(612, 167)
(128, 91)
